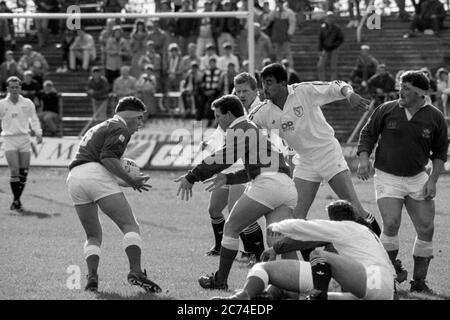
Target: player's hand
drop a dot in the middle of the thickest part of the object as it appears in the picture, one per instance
(203, 145)
(140, 183)
(216, 182)
(356, 101)
(185, 187)
(38, 139)
(268, 255)
(316, 253)
(429, 190)
(364, 169)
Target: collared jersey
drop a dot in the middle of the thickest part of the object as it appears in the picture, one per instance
(108, 139)
(17, 118)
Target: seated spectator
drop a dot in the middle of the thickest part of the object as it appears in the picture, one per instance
(146, 89)
(227, 57)
(117, 51)
(98, 90)
(153, 58)
(33, 61)
(30, 87)
(138, 46)
(186, 61)
(210, 53)
(191, 89)
(49, 110)
(443, 86)
(210, 90)
(226, 82)
(431, 16)
(82, 48)
(172, 69)
(125, 85)
(365, 67)
(433, 84)
(292, 74)
(67, 41)
(381, 84)
(8, 69)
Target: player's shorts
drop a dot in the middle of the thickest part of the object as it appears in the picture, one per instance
(322, 167)
(391, 186)
(273, 189)
(20, 143)
(90, 182)
(380, 283)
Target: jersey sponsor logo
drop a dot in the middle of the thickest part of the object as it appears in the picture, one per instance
(426, 133)
(121, 138)
(288, 126)
(298, 111)
(392, 124)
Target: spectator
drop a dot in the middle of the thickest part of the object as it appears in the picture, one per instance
(44, 6)
(49, 110)
(173, 68)
(381, 85)
(167, 25)
(98, 90)
(205, 35)
(404, 17)
(105, 34)
(30, 87)
(35, 62)
(125, 85)
(365, 67)
(331, 38)
(431, 16)
(354, 4)
(161, 40)
(10, 35)
(283, 24)
(263, 47)
(210, 90)
(186, 61)
(67, 41)
(138, 46)
(5, 35)
(153, 58)
(398, 76)
(191, 89)
(210, 53)
(146, 89)
(117, 50)
(265, 18)
(433, 84)
(82, 48)
(226, 82)
(186, 30)
(227, 57)
(292, 74)
(443, 86)
(113, 5)
(229, 29)
(9, 68)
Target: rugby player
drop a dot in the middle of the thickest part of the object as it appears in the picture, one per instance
(92, 184)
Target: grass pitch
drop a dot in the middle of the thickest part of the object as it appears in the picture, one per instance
(40, 247)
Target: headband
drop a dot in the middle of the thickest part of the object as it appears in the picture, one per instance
(130, 114)
(416, 89)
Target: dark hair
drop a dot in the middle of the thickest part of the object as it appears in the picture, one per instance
(276, 70)
(245, 77)
(230, 103)
(417, 79)
(130, 104)
(342, 210)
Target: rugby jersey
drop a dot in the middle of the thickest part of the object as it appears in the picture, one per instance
(17, 118)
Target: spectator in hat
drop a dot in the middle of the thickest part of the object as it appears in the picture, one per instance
(98, 90)
(35, 62)
(83, 48)
(153, 58)
(381, 84)
(117, 51)
(173, 68)
(226, 82)
(125, 85)
(138, 40)
(365, 67)
(8, 68)
(146, 89)
(331, 38)
(49, 110)
(191, 92)
(105, 34)
(443, 86)
(226, 29)
(227, 57)
(30, 87)
(210, 90)
(186, 61)
(210, 53)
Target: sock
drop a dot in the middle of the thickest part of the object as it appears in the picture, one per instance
(228, 252)
(305, 253)
(23, 174)
(217, 225)
(132, 244)
(254, 240)
(15, 187)
(321, 274)
(92, 256)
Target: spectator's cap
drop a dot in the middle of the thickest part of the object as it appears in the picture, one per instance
(149, 67)
(245, 63)
(48, 83)
(210, 46)
(365, 47)
(226, 2)
(27, 46)
(117, 28)
(173, 46)
(330, 13)
(227, 45)
(212, 59)
(440, 71)
(149, 23)
(95, 69)
(285, 62)
(9, 53)
(150, 43)
(194, 64)
(28, 73)
(382, 65)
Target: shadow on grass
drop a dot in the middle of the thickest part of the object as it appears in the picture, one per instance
(406, 295)
(39, 215)
(138, 296)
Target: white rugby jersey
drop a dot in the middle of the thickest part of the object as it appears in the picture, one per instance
(16, 118)
(349, 238)
(301, 123)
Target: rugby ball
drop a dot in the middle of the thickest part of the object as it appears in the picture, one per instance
(131, 168)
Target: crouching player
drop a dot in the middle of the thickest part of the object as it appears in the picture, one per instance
(92, 184)
(271, 192)
(362, 266)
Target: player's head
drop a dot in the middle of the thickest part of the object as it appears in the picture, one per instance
(414, 86)
(274, 80)
(131, 109)
(14, 85)
(341, 210)
(227, 109)
(245, 87)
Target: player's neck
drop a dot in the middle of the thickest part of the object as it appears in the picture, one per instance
(14, 98)
(280, 100)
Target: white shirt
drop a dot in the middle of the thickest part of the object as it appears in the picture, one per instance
(301, 123)
(349, 238)
(222, 62)
(16, 118)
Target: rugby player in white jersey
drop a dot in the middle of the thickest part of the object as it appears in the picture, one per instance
(16, 115)
(362, 266)
(294, 112)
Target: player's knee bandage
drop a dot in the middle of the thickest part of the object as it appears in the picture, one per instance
(14, 179)
(258, 271)
(132, 239)
(305, 277)
(423, 248)
(230, 243)
(389, 243)
(90, 250)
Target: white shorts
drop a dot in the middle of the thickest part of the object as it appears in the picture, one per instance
(322, 167)
(391, 186)
(273, 189)
(20, 143)
(380, 283)
(90, 182)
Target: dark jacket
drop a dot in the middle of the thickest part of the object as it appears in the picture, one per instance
(429, 8)
(330, 37)
(386, 82)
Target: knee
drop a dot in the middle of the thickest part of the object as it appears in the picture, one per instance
(425, 232)
(391, 226)
(14, 172)
(214, 212)
(231, 229)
